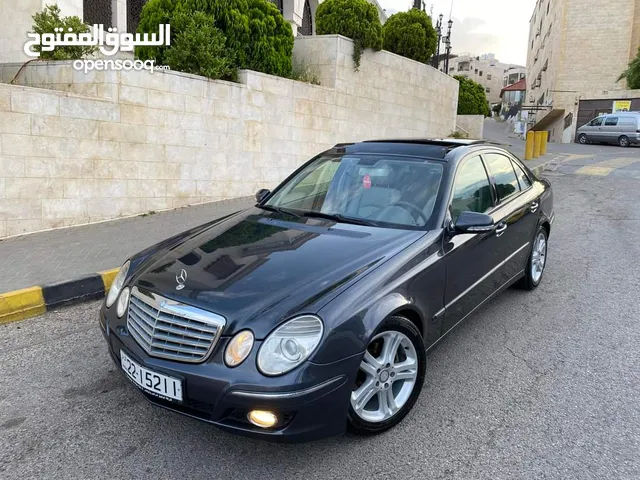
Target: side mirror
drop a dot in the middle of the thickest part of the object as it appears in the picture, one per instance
(473, 222)
(262, 194)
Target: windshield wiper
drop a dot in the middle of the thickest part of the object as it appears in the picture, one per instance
(337, 217)
(284, 211)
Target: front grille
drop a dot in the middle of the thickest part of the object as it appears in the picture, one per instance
(168, 329)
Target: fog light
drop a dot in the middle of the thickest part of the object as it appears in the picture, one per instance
(262, 418)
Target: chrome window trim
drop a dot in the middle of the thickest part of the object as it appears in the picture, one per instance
(172, 307)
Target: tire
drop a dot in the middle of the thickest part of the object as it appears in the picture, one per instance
(378, 417)
(533, 277)
(623, 141)
(583, 139)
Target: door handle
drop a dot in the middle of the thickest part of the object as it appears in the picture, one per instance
(534, 207)
(502, 227)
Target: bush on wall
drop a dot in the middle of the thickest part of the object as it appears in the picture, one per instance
(48, 19)
(255, 34)
(410, 34)
(356, 19)
(472, 99)
(200, 48)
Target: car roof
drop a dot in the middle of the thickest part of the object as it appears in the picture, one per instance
(434, 148)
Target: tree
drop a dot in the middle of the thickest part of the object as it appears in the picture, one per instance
(632, 74)
(200, 48)
(356, 19)
(271, 46)
(255, 34)
(472, 99)
(411, 34)
(49, 19)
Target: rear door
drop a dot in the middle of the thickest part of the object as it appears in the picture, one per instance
(470, 258)
(516, 213)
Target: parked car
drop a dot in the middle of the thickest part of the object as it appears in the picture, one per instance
(617, 128)
(313, 311)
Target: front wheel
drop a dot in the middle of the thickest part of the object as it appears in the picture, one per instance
(389, 379)
(582, 139)
(537, 261)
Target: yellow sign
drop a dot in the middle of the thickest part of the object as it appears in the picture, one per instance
(621, 106)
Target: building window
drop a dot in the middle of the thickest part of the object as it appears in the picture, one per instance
(568, 120)
(476, 71)
(134, 7)
(488, 77)
(480, 73)
(488, 90)
(548, 5)
(97, 12)
(307, 22)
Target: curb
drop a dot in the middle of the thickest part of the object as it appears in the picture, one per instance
(33, 301)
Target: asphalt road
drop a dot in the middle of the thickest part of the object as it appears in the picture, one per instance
(536, 385)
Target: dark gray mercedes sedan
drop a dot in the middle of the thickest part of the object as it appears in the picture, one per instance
(313, 311)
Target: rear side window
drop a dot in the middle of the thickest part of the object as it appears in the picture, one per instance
(611, 121)
(627, 121)
(522, 177)
(501, 169)
(471, 190)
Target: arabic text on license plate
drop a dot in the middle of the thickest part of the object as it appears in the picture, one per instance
(156, 383)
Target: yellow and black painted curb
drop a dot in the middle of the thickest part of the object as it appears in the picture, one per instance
(32, 301)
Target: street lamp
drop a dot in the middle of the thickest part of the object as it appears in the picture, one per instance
(447, 42)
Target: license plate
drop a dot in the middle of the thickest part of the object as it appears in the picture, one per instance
(150, 381)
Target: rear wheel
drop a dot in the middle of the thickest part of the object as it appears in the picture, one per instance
(389, 379)
(582, 138)
(537, 261)
(623, 141)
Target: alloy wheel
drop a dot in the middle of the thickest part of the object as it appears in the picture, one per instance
(539, 257)
(387, 377)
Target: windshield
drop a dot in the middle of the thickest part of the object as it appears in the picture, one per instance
(379, 189)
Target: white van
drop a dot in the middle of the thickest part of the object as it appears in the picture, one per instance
(621, 128)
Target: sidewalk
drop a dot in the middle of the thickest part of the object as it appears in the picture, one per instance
(68, 253)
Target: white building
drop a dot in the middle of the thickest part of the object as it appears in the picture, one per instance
(16, 18)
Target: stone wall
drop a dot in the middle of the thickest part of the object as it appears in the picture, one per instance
(124, 143)
(472, 125)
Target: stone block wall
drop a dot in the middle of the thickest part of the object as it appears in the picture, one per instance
(87, 148)
(473, 125)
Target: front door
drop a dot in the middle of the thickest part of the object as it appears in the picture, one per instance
(470, 258)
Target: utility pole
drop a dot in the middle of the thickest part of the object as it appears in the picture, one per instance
(447, 42)
(436, 58)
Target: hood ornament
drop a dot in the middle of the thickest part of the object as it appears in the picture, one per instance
(181, 278)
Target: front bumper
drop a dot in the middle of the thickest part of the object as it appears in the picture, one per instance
(311, 402)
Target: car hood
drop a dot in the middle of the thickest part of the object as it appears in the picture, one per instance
(258, 268)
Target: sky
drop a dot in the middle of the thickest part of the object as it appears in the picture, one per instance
(482, 26)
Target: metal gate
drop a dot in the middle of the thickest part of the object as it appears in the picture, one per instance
(97, 12)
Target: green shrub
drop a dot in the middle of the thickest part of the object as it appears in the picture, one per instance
(302, 72)
(255, 34)
(356, 19)
(632, 73)
(155, 13)
(48, 19)
(200, 48)
(458, 134)
(271, 44)
(410, 34)
(472, 99)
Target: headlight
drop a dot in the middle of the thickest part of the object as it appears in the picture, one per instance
(117, 284)
(289, 345)
(239, 348)
(123, 302)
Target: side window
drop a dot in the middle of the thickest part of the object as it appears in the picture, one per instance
(501, 170)
(471, 189)
(611, 121)
(596, 122)
(522, 177)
